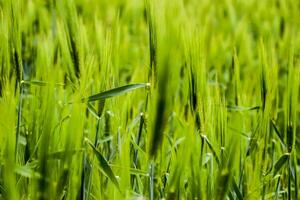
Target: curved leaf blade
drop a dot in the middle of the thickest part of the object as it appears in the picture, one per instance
(282, 160)
(115, 92)
(103, 164)
(237, 190)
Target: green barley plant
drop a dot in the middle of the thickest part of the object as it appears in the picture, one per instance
(153, 99)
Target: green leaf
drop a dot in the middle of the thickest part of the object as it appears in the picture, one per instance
(242, 108)
(212, 149)
(282, 160)
(39, 83)
(237, 190)
(104, 165)
(115, 92)
(93, 110)
(290, 138)
(277, 132)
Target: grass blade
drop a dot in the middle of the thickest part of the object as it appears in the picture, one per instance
(39, 83)
(212, 149)
(104, 165)
(282, 160)
(277, 132)
(242, 108)
(237, 190)
(115, 92)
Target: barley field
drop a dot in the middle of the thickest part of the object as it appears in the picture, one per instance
(149, 99)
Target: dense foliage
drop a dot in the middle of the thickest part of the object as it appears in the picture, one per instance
(154, 99)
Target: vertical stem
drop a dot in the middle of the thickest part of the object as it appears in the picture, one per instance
(289, 180)
(138, 139)
(97, 133)
(19, 119)
(83, 177)
(296, 179)
(135, 156)
(151, 181)
(91, 170)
